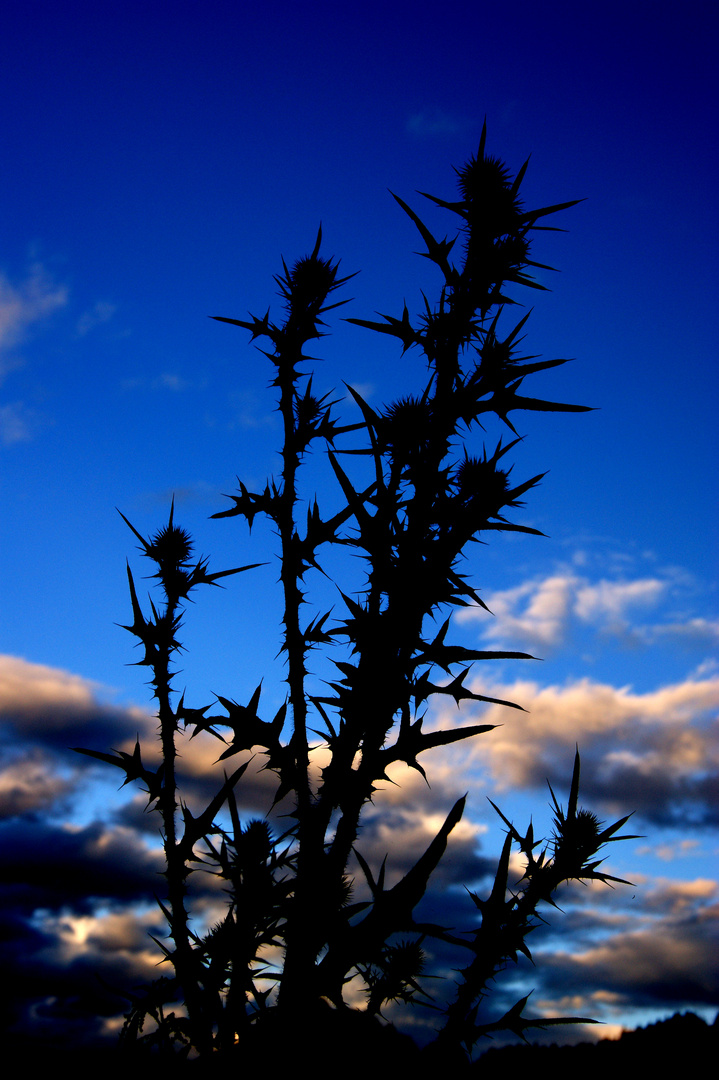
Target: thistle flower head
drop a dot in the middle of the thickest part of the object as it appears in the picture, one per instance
(484, 183)
(577, 838)
(404, 427)
(479, 478)
(310, 280)
(170, 546)
(307, 285)
(491, 204)
(254, 844)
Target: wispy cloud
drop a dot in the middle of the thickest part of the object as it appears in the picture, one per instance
(540, 613)
(22, 304)
(609, 600)
(166, 380)
(433, 122)
(171, 381)
(697, 632)
(18, 423)
(535, 612)
(670, 852)
(26, 302)
(101, 312)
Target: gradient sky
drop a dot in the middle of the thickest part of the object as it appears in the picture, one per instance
(159, 160)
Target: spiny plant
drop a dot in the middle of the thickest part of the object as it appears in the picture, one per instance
(293, 937)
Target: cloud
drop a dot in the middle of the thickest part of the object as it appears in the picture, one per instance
(694, 633)
(611, 599)
(670, 852)
(536, 612)
(43, 713)
(433, 122)
(404, 819)
(17, 423)
(653, 947)
(101, 312)
(167, 380)
(170, 381)
(675, 898)
(30, 301)
(75, 905)
(542, 613)
(623, 955)
(201, 774)
(33, 299)
(59, 867)
(68, 972)
(656, 752)
(44, 706)
(77, 899)
(249, 411)
(29, 783)
(672, 963)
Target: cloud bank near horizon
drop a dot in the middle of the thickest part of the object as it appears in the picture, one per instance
(79, 895)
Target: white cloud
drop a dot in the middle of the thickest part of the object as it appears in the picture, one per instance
(540, 613)
(610, 599)
(702, 633)
(536, 611)
(21, 305)
(168, 380)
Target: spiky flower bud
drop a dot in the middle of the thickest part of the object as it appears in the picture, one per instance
(490, 200)
(576, 840)
(480, 479)
(171, 546)
(309, 281)
(404, 428)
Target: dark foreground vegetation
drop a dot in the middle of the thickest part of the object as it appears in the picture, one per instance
(310, 928)
(683, 1043)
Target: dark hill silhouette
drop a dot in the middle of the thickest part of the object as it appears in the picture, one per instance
(682, 1041)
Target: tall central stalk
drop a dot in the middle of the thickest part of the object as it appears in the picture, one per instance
(299, 955)
(184, 959)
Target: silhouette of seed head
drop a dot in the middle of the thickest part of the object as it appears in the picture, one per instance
(171, 546)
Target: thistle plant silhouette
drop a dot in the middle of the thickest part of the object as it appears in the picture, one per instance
(294, 935)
